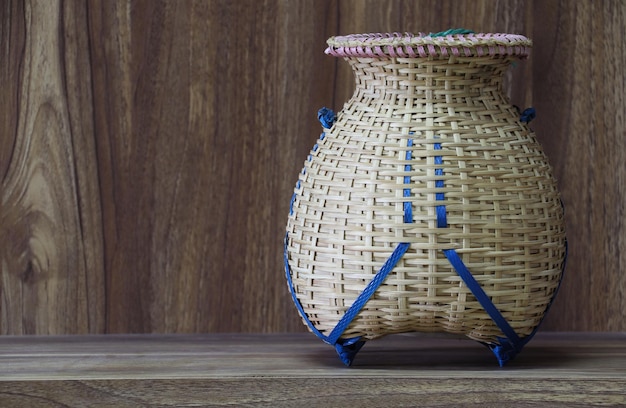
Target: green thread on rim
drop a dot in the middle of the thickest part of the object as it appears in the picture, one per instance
(452, 31)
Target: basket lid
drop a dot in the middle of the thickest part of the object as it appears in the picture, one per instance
(461, 43)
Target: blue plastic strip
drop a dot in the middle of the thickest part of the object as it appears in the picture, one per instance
(442, 218)
(293, 293)
(293, 198)
(480, 295)
(512, 344)
(326, 117)
(408, 207)
(367, 293)
(375, 283)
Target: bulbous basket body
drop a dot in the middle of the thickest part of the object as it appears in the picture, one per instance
(429, 174)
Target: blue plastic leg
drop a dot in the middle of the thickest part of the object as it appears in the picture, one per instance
(505, 351)
(347, 349)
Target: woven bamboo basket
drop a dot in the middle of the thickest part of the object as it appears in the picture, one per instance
(427, 204)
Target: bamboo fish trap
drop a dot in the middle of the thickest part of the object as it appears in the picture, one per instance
(427, 204)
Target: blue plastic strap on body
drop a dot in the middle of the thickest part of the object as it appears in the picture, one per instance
(384, 271)
(367, 293)
(326, 117)
(293, 198)
(293, 293)
(442, 218)
(514, 343)
(408, 206)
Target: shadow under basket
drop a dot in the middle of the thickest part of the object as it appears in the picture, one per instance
(427, 204)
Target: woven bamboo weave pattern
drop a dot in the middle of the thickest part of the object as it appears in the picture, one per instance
(470, 157)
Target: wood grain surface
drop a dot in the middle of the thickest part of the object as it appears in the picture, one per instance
(148, 150)
(52, 274)
(555, 369)
(580, 82)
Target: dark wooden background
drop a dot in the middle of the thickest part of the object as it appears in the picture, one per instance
(148, 151)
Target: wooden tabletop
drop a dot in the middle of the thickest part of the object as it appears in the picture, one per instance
(555, 369)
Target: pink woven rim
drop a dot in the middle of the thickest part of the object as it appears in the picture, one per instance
(407, 45)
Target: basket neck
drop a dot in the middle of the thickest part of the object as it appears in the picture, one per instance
(400, 80)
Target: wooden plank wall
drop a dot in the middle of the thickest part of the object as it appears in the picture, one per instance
(148, 151)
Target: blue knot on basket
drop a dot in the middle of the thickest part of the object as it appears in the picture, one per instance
(527, 115)
(326, 117)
